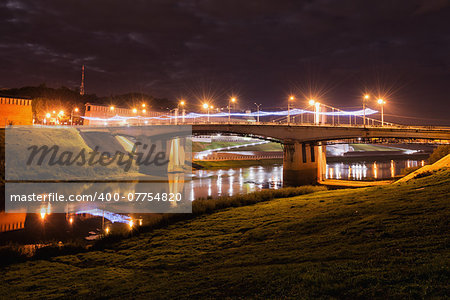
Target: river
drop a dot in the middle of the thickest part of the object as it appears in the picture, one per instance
(205, 184)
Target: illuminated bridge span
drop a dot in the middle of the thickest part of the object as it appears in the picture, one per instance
(304, 159)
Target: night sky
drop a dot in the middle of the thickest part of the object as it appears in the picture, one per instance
(259, 51)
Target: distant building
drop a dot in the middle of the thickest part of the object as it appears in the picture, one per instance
(105, 113)
(15, 111)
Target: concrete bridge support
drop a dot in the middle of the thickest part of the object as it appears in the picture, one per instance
(303, 163)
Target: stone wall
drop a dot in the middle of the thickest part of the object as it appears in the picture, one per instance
(15, 111)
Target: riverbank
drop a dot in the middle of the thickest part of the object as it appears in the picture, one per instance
(377, 242)
(236, 163)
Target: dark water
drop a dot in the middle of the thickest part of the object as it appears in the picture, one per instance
(42, 227)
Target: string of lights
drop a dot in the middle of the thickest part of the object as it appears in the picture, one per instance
(261, 113)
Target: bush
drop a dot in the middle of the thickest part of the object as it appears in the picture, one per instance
(439, 153)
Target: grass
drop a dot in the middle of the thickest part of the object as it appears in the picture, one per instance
(272, 146)
(238, 163)
(378, 242)
(369, 147)
(202, 146)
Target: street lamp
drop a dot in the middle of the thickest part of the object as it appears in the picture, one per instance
(71, 114)
(182, 103)
(257, 108)
(111, 108)
(366, 97)
(317, 114)
(232, 100)
(206, 106)
(134, 110)
(382, 103)
(291, 98)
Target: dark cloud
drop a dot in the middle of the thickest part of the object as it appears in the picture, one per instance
(262, 49)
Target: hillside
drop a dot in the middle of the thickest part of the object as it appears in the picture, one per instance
(378, 242)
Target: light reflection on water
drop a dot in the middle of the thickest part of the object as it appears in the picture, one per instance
(369, 171)
(228, 182)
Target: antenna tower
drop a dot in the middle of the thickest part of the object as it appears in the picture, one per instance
(82, 81)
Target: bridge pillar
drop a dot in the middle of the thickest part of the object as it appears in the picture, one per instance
(303, 163)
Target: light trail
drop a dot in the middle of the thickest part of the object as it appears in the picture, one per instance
(261, 113)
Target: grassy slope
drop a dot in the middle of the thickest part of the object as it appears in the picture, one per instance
(370, 147)
(238, 163)
(389, 241)
(263, 147)
(201, 146)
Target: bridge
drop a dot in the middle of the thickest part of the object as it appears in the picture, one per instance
(304, 146)
(304, 159)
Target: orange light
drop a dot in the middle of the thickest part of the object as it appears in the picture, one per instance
(205, 105)
(76, 109)
(61, 112)
(134, 110)
(71, 220)
(48, 115)
(43, 213)
(291, 98)
(312, 102)
(111, 108)
(182, 102)
(381, 101)
(144, 111)
(233, 99)
(143, 104)
(366, 96)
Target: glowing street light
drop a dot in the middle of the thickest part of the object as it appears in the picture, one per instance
(232, 100)
(206, 106)
(311, 102)
(134, 110)
(111, 108)
(382, 103)
(143, 105)
(291, 98)
(61, 113)
(183, 111)
(366, 97)
(144, 110)
(71, 114)
(48, 115)
(317, 112)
